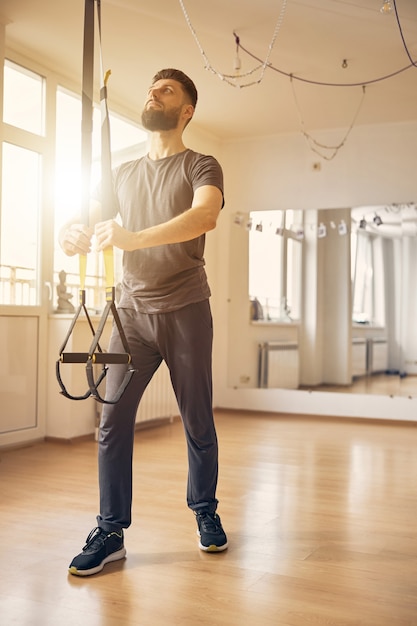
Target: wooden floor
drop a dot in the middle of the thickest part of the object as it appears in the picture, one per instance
(321, 516)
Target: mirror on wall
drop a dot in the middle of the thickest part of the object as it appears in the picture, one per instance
(330, 300)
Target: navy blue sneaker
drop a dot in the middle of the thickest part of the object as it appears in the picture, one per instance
(211, 533)
(101, 547)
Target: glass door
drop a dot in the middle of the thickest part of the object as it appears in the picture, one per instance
(24, 249)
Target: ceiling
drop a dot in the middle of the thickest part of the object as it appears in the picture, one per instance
(315, 37)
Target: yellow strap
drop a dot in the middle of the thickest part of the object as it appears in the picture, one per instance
(106, 77)
(83, 270)
(109, 266)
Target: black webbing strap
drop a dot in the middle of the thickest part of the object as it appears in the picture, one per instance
(95, 354)
(87, 108)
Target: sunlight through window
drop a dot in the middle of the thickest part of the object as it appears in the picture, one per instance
(128, 142)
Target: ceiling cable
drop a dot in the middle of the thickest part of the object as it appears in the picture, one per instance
(234, 79)
(321, 149)
(325, 84)
(402, 35)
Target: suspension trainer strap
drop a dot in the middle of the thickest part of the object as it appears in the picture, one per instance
(107, 203)
(95, 355)
(87, 109)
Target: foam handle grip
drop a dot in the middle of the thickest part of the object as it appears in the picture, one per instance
(98, 357)
(74, 357)
(109, 358)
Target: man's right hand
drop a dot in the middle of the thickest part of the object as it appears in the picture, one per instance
(75, 239)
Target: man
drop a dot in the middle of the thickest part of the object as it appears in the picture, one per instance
(167, 201)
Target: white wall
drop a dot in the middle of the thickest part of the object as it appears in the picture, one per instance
(376, 166)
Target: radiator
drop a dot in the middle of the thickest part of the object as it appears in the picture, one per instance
(359, 357)
(378, 355)
(159, 400)
(278, 364)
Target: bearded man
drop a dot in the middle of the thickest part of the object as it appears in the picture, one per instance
(167, 201)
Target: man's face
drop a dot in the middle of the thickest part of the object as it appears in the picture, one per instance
(164, 105)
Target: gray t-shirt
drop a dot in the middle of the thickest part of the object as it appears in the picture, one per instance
(163, 278)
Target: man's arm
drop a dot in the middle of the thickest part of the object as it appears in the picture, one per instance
(200, 218)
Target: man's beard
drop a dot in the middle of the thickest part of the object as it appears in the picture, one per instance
(158, 119)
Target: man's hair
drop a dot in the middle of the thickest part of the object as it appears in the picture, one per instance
(187, 84)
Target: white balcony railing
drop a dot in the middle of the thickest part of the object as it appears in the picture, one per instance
(19, 287)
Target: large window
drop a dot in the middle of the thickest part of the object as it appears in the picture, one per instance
(21, 197)
(40, 173)
(24, 179)
(275, 255)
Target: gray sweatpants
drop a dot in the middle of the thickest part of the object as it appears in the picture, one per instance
(183, 339)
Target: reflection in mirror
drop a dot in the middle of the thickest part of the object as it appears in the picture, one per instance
(332, 300)
(384, 248)
(275, 241)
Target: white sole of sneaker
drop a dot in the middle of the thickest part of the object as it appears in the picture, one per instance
(115, 556)
(212, 548)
